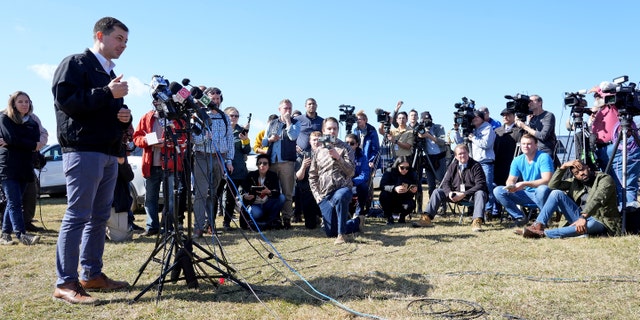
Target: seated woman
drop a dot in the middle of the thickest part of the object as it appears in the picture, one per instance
(361, 175)
(398, 186)
(262, 197)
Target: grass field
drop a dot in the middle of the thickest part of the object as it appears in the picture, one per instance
(395, 272)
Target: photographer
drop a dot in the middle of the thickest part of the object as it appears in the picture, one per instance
(482, 140)
(332, 168)
(401, 137)
(542, 125)
(504, 147)
(436, 149)
(606, 129)
(487, 117)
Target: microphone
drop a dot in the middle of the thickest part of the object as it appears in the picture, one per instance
(165, 105)
(182, 96)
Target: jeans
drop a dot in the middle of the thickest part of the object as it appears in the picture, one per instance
(488, 172)
(511, 200)
(152, 196)
(269, 211)
(439, 196)
(362, 192)
(335, 213)
(12, 219)
(633, 170)
(207, 174)
(558, 200)
(91, 179)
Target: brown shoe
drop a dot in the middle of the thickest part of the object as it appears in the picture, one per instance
(534, 231)
(424, 222)
(73, 293)
(102, 282)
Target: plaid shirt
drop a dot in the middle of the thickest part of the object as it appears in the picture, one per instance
(221, 137)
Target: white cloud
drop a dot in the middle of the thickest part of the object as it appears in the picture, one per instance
(137, 88)
(44, 71)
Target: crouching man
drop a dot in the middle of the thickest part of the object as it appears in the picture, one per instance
(332, 168)
(464, 180)
(589, 204)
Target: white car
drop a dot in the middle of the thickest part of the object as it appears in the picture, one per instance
(51, 177)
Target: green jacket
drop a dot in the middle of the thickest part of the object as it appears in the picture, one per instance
(602, 202)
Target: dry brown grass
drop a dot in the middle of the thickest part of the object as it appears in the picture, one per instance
(386, 271)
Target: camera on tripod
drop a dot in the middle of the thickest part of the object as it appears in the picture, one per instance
(424, 125)
(384, 117)
(464, 114)
(519, 105)
(347, 116)
(625, 97)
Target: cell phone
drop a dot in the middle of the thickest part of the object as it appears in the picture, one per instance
(244, 131)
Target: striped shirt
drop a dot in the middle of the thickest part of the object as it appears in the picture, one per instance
(221, 137)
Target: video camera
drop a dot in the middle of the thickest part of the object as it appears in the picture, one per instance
(424, 125)
(519, 105)
(626, 98)
(347, 116)
(464, 114)
(578, 105)
(384, 117)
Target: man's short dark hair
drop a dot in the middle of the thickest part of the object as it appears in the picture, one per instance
(530, 136)
(106, 25)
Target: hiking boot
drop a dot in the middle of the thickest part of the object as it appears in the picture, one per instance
(340, 239)
(28, 239)
(424, 222)
(5, 239)
(73, 293)
(534, 231)
(476, 225)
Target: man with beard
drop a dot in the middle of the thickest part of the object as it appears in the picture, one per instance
(589, 204)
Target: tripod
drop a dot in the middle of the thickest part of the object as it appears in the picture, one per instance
(625, 120)
(173, 243)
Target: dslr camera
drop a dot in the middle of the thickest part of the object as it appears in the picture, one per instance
(626, 98)
(519, 105)
(327, 140)
(464, 114)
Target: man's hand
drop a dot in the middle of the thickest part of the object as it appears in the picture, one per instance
(118, 88)
(334, 154)
(570, 163)
(273, 138)
(287, 118)
(581, 225)
(398, 105)
(124, 115)
(230, 168)
(306, 162)
(456, 196)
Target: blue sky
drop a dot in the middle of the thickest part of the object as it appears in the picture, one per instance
(369, 54)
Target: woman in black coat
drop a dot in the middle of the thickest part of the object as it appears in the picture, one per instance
(19, 136)
(262, 197)
(398, 186)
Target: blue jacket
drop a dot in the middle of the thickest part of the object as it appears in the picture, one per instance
(362, 171)
(370, 144)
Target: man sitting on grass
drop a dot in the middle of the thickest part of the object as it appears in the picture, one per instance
(589, 204)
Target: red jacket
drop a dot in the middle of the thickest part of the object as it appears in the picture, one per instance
(145, 126)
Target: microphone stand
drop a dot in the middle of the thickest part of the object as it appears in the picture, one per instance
(175, 243)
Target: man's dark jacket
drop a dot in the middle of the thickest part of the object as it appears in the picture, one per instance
(472, 176)
(86, 111)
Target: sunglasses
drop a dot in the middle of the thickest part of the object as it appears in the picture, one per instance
(403, 167)
(263, 163)
(351, 143)
(233, 116)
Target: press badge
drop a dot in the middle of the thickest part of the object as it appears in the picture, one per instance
(462, 187)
